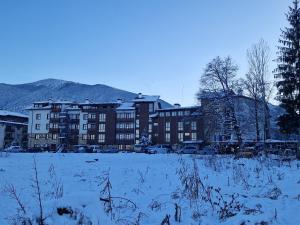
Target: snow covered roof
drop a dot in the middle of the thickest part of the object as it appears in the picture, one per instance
(9, 113)
(153, 115)
(126, 106)
(146, 98)
(98, 103)
(11, 122)
(39, 108)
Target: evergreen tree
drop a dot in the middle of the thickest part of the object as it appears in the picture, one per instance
(288, 72)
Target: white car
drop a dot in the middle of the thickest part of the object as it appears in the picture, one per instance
(188, 150)
(160, 149)
(14, 149)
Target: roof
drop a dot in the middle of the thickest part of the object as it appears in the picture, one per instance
(98, 103)
(178, 108)
(9, 113)
(39, 108)
(126, 106)
(146, 98)
(15, 123)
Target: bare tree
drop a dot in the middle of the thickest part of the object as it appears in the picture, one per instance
(257, 82)
(219, 77)
(251, 85)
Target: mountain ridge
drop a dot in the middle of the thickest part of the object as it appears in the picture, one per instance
(16, 97)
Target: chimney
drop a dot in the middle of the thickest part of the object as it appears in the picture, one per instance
(119, 100)
(140, 95)
(177, 105)
(86, 101)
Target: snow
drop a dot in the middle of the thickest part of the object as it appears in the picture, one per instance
(147, 98)
(126, 106)
(9, 113)
(150, 182)
(11, 122)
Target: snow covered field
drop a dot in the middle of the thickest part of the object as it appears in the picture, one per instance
(143, 189)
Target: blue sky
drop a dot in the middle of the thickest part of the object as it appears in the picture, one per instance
(149, 46)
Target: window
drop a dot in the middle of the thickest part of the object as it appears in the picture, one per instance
(102, 117)
(194, 136)
(38, 116)
(84, 126)
(194, 125)
(47, 126)
(37, 136)
(167, 114)
(137, 123)
(102, 127)
(92, 126)
(92, 137)
(48, 116)
(92, 116)
(37, 126)
(54, 136)
(101, 138)
(74, 116)
(151, 107)
(74, 126)
(137, 133)
(54, 125)
(167, 126)
(161, 114)
(180, 125)
(167, 137)
(155, 124)
(187, 113)
(180, 113)
(150, 128)
(174, 113)
(84, 137)
(180, 137)
(85, 116)
(54, 115)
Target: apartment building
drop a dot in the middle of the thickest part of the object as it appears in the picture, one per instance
(97, 124)
(134, 121)
(177, 125)
(51, 123)
(111, 124)
(13, 129)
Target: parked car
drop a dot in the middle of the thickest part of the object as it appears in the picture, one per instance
(80, 149)
(160, 149)
(95, 149)
(14, 149)
(188, 150)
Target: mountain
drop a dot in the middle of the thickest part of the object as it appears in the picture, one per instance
(18, 97)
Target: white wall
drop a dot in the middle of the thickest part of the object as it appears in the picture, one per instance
(43, 121)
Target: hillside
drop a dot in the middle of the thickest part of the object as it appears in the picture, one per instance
(18, 97)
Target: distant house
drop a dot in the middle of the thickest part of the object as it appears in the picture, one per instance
(217, 119)
(13, 129)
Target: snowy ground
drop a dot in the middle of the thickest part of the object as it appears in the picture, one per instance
(145, 188)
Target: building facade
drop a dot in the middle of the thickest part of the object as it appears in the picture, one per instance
(111, 125)
(177, 125)
(13, 129)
